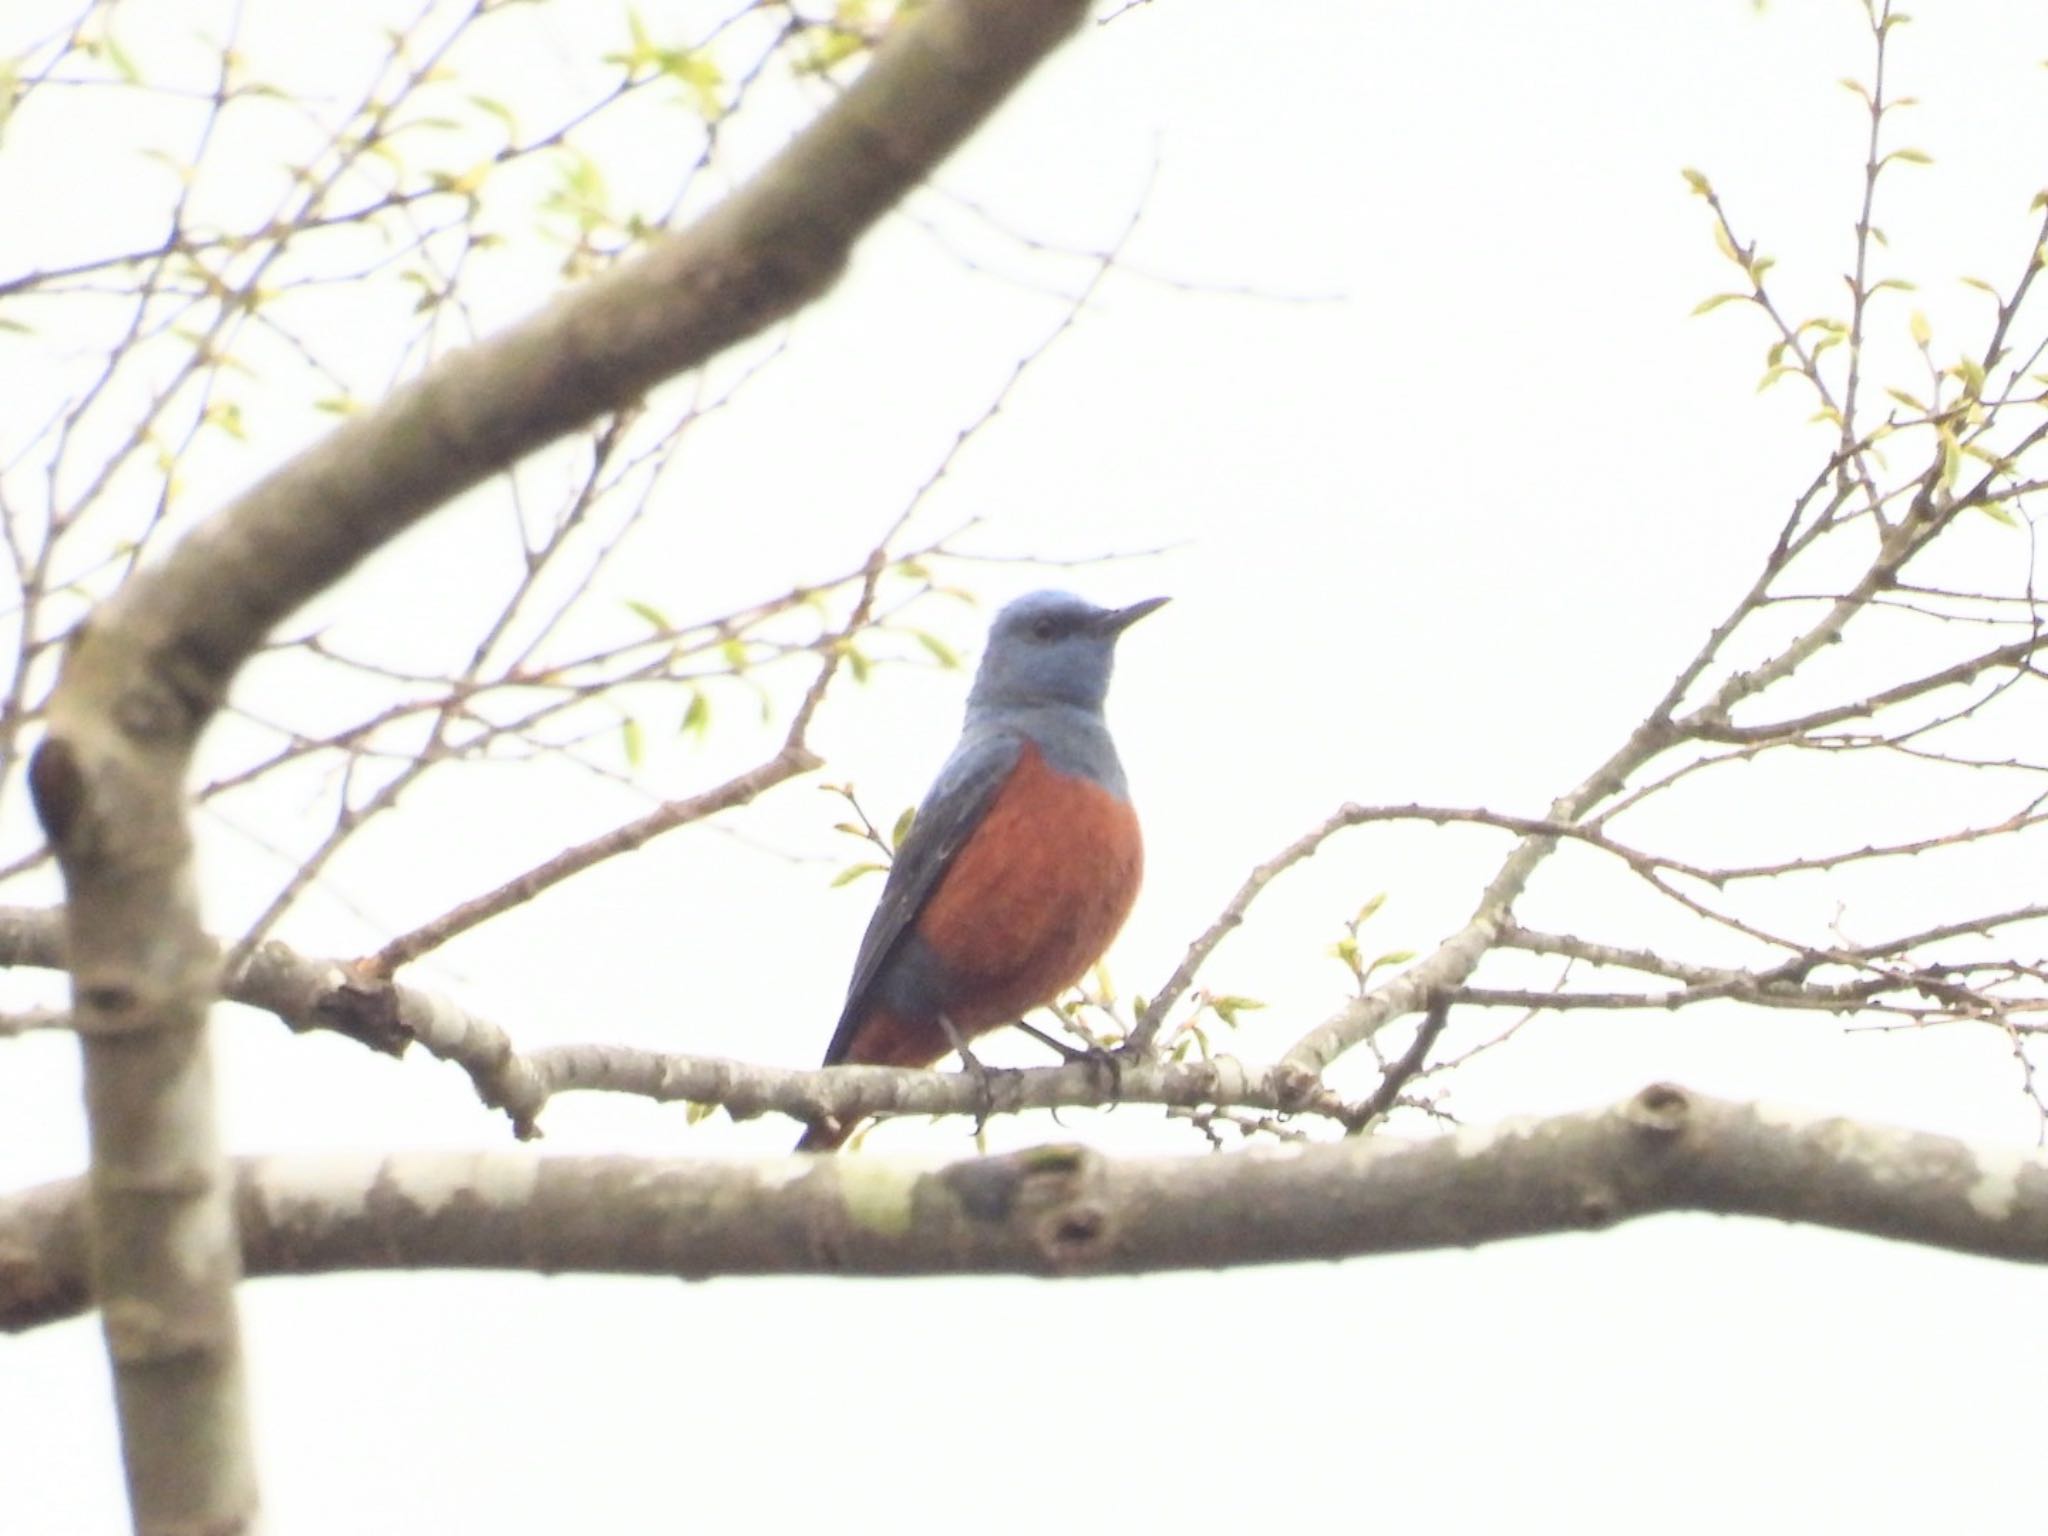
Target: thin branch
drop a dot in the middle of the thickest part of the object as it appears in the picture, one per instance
(793, 759)
(1404, 1071)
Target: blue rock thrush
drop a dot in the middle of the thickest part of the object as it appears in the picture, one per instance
(1021, 864)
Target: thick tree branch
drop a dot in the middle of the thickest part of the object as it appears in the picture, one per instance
(1065, 1210)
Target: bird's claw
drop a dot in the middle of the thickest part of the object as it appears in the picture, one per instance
(984, 1079)
(1104, 1059)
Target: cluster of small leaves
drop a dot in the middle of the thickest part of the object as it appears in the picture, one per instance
(865, 831)
(849, 33)
(1349, 950)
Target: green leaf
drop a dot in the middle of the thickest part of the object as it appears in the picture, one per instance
(853, 872)
(1997, 513)
(700, 78)
(1372, 905)
(632, 741)
(498, 110)
(641, 54)
(826, 47)
(579, 192)
(1700, 185)
(118, 57)
(1228, 1008)
(1391, 957)
(1909, 157)
(902, 828)
(652, 616)
(10, 91)
(226, 415)
(467, 184)
(697, 715)
(1911, 402)
(1971, 374)
(1708, 305)
(1921, 327)
(941, 652)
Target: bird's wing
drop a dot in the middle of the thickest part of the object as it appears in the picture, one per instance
(965, 788)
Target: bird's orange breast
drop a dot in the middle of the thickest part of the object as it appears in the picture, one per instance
(1034, 896)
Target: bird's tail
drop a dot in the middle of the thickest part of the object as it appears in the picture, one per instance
(825, 1136)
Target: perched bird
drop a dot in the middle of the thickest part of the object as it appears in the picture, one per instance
(1020, 866)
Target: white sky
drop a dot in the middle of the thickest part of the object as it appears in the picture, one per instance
(1441, 538)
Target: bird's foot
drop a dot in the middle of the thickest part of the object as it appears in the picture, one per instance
(1069, 1053)
(1106, 1060)
(984, 1078)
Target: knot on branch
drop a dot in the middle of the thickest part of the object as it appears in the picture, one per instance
(1050, 1198)
(1661, 1111)
(154, 713)
(367, 1011)
(57, 787)
(1294, 1085)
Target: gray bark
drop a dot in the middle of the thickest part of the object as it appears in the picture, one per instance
(1065, 1210)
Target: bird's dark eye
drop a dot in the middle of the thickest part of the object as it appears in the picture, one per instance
(1045, 629)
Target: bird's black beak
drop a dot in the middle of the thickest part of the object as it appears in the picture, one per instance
(1116, 620)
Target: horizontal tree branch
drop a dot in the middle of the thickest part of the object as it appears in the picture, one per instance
(1066, 1210)
(341, 995)
(846, 1094)
(311, 993)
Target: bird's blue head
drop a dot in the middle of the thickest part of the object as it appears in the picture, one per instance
(1052, 648)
